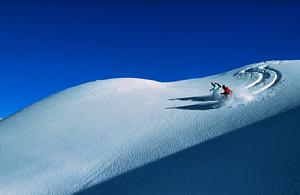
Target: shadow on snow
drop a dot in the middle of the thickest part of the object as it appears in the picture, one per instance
(196, 98)
(207, 103)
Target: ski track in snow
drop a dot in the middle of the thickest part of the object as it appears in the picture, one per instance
(267, 77)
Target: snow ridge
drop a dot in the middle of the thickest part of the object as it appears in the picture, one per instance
(135, 136)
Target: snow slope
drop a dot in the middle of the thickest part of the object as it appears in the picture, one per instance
(135, 136)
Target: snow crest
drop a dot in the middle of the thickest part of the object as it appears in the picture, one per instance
(135, 136)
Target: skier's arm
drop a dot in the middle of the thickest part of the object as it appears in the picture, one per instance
(213, 84)
(218, 84)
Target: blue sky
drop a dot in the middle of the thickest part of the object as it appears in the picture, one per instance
(49, 46)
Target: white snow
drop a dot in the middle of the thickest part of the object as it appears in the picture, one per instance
(135, 136)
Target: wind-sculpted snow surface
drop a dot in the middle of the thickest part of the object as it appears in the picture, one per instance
(135, 136)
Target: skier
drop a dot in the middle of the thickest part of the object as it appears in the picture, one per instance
(215, 90)
(227, 91)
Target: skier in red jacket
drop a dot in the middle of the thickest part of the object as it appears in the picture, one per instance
(227, 91)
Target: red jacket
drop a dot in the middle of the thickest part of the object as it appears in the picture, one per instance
(227, 91)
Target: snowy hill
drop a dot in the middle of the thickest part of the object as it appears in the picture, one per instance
(135, 136)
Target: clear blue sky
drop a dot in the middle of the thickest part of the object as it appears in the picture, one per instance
(48, 46)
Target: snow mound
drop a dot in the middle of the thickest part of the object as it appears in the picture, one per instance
(135, 136)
